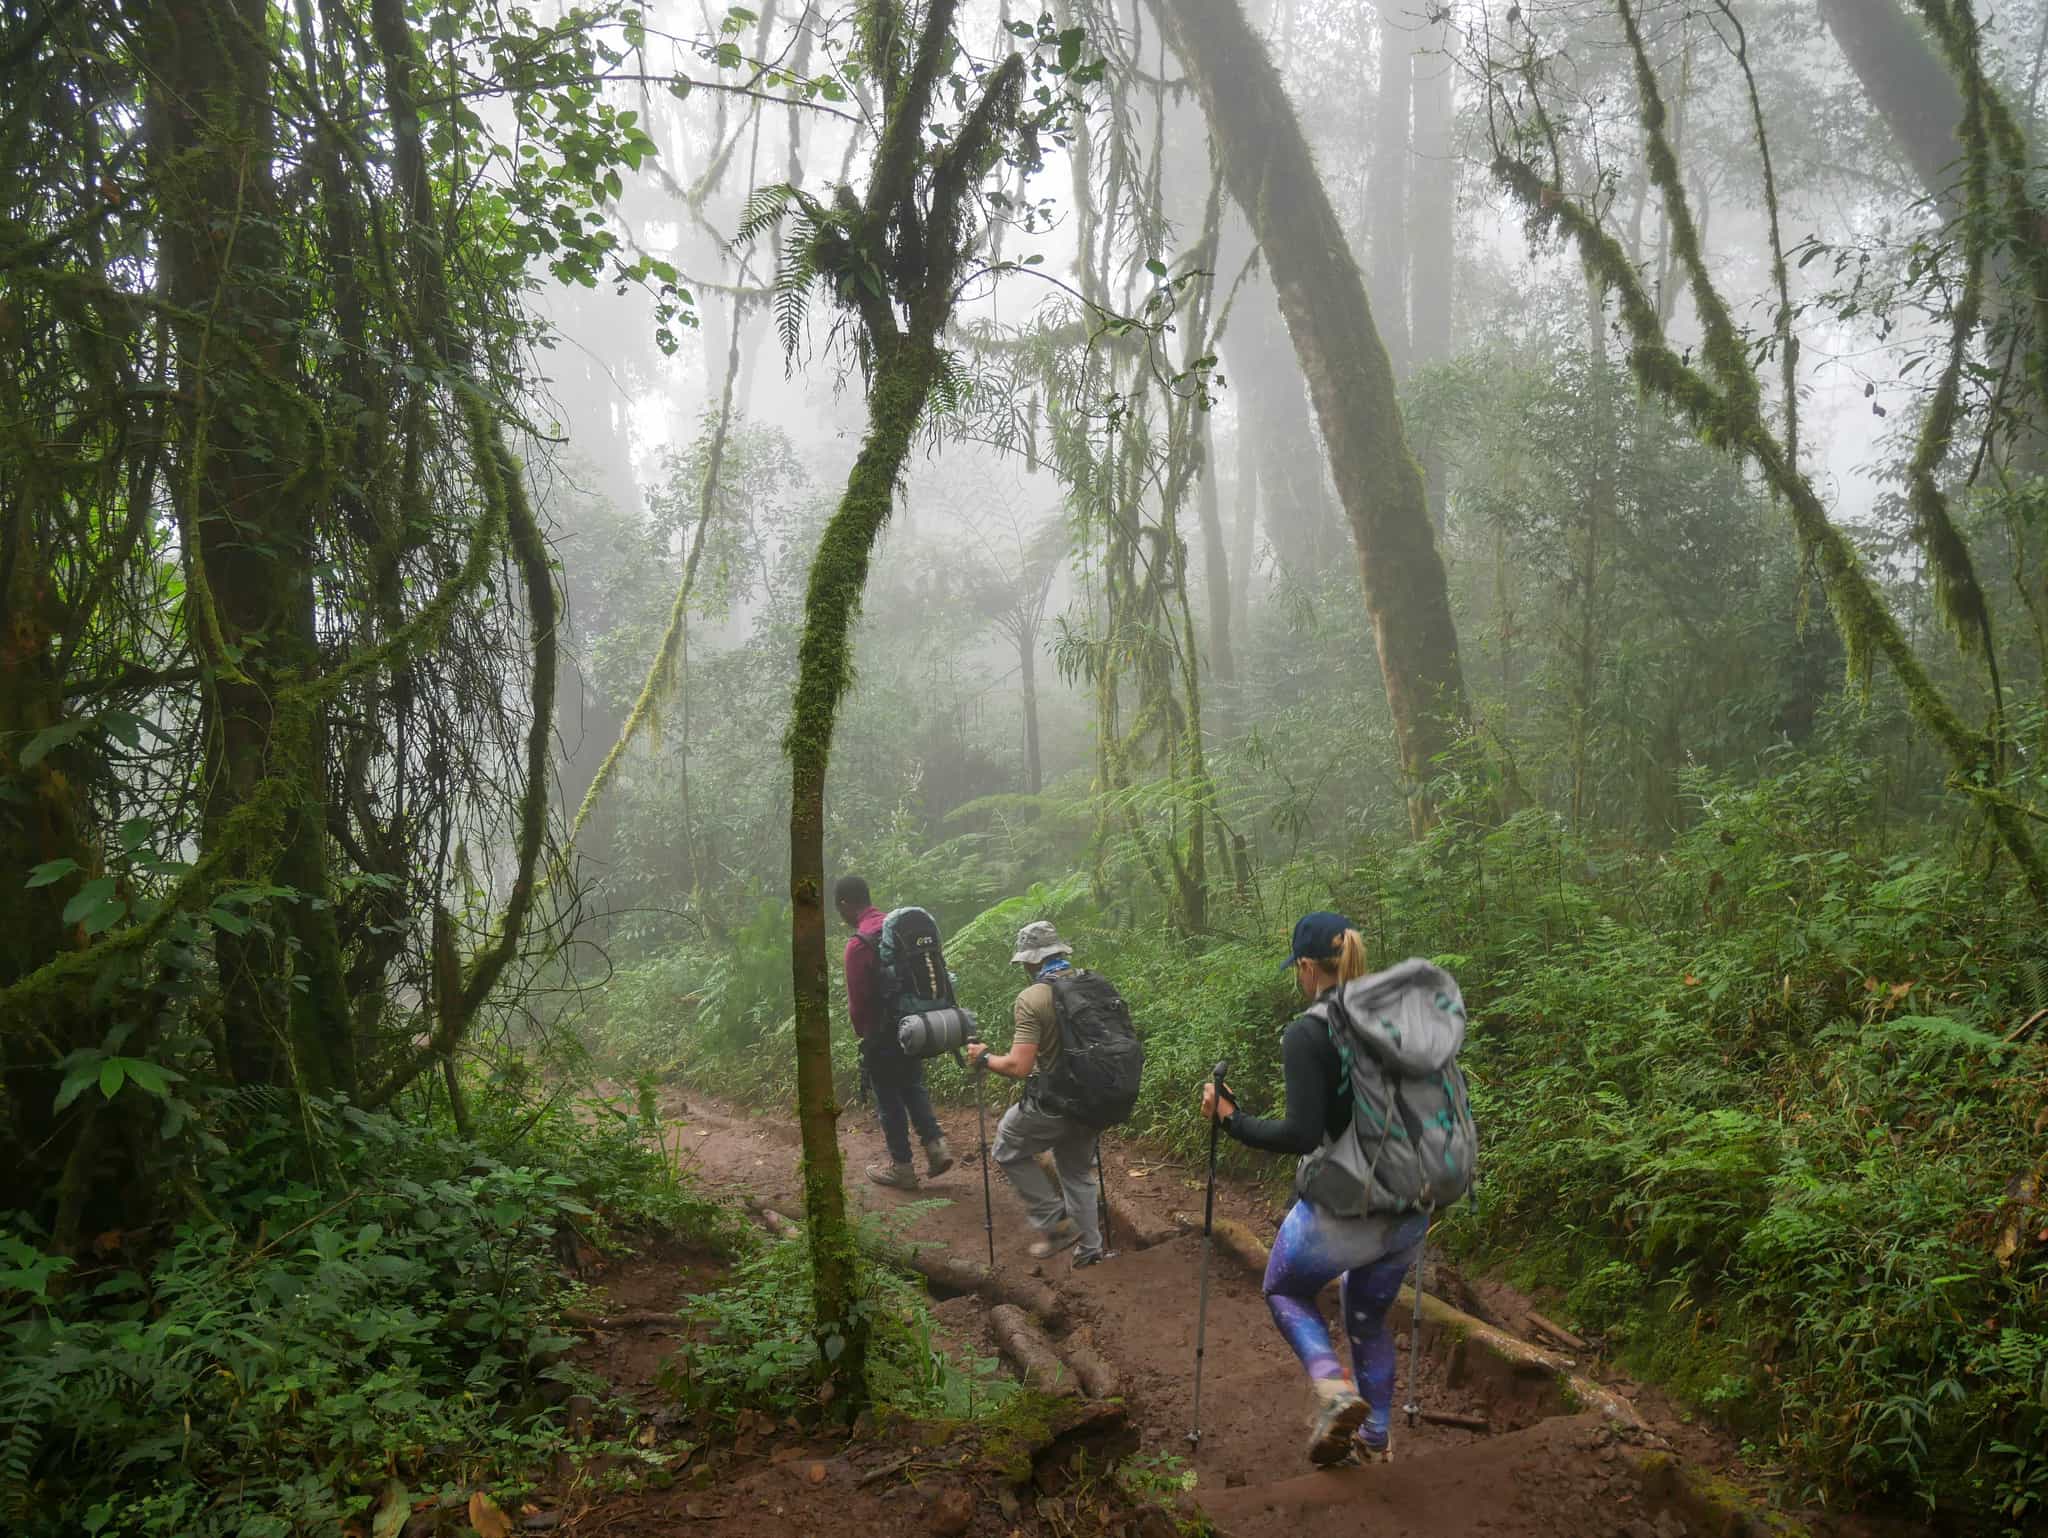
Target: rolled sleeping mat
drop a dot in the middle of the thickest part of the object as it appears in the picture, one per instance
(936, 1031)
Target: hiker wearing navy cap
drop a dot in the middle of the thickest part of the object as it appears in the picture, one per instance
(1370, 1251)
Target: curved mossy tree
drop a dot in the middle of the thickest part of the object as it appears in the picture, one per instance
(1272, 174)
(892, 259)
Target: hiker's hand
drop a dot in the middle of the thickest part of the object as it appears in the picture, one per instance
(977, 1055)
(1209, 1104)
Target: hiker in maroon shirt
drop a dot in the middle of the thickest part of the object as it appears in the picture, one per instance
(898, 1080)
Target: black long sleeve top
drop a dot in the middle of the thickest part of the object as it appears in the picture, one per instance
(1318, 1105)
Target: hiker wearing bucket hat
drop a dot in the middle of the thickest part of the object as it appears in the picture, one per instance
(1064, 1214)
(1314, 1245)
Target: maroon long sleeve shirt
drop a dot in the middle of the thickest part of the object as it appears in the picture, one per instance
(864, 973)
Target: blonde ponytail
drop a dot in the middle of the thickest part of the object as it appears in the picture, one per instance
(1350, 957)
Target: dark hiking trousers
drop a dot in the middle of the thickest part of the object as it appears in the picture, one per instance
(900, 1101)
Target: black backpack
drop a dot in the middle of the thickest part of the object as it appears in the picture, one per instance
(1095, 1078)
(912, 963)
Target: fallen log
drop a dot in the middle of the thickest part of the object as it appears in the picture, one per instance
(1557, 1332)
(1477, 1423)
(1097, 1376)
(1133, 1225)
(1037, 1363)
(955, 1277)
(638, 1319)
(1236, 1239)
(947, 1274)
(1249, 1250)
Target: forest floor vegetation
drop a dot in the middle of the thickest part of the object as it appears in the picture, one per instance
(1763, 1111)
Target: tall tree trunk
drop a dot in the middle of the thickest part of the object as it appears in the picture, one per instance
(1387, 191)
(1027, 667)
(904, 371)
(1906, 82)
(1432, 230)
(1215, 560)
(1244, 541)
(246, 478)
(914, 225)
(44, 818)
(1274, 411)
(1273, 178)
(1596, 513)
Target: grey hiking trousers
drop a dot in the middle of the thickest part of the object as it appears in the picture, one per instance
(1023, 1134)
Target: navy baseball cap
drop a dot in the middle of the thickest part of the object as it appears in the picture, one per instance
(1318, 937)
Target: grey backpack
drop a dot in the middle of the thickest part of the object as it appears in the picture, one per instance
(1412, 1143)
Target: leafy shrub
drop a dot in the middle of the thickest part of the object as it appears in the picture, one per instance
(303, 1336)
(758, 1352)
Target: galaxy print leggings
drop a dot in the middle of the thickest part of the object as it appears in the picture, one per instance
(1372, 1255)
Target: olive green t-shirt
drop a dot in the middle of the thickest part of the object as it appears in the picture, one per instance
(1037, 1022)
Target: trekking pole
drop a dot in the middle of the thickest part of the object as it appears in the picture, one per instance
(1102, 1196)
(988, 1210)
(1413, 1408)
(1208, 1231)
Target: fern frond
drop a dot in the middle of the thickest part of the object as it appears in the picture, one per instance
(793, 281)
(764, 209)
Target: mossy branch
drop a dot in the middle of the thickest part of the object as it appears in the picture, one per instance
(1954, 25)
(1726, 354)
(1958, 596)
(1733, 420)
(898, 153)
(661, 671)
(1788, 339)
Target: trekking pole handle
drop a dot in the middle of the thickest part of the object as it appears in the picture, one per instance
(1216, 1080)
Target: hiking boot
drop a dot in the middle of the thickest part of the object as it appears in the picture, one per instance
(897, 1177)
(1364, 1455)
(1086, 1258)
(1333, 1433)
(938, 1158)
(1062, 1234)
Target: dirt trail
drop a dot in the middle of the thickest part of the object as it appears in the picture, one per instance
(1527, 1477)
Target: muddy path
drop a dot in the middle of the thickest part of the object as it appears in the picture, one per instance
(1535, 1468)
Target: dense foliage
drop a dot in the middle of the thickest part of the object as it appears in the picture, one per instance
(350, 1299)
(409, 543)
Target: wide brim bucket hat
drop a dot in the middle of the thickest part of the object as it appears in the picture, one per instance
(1037, 942)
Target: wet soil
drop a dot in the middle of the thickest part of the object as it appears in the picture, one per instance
(1533, 1472)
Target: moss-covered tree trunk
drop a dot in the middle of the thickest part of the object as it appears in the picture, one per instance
(1027, 669)
(43, 819)
(1387, 187)
(1902, 74)
(903, 378)
(1596, 512)
(1432, 229)
(1273, 415)
(1215, 560)
(1272, 175)
(247, 477)
(914, 226)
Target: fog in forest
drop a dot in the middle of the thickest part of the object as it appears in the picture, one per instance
(523, 528)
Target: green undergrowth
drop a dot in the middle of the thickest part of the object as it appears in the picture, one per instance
(1747, 1101)
(757, 1352)
(312, 1329)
